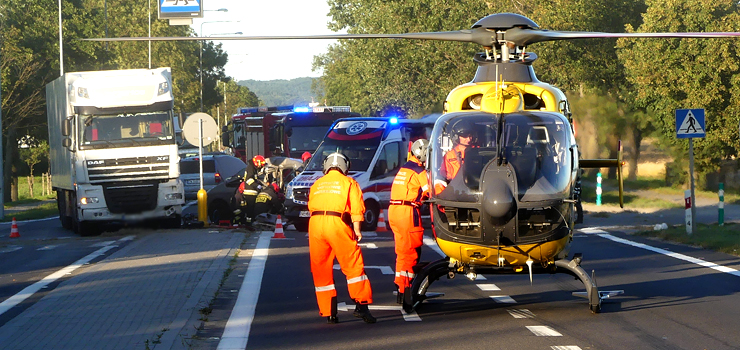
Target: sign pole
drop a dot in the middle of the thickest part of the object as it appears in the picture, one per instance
(691, 178)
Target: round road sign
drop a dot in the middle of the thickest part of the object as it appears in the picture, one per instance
(190, 129)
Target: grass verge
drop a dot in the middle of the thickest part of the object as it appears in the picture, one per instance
(725, 239)
(42, 211)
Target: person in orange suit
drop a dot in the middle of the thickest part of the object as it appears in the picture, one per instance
(456, 156)
(337, 210)
(410, 187)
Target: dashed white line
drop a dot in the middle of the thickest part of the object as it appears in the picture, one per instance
(386, 270)
(521, 313)
(486, 287)
(408, 317)
(368, 245)
(503, 299)
(567, 347)
(48, 247)
(30, 290)
(604, 234)
(544, 331)
(11, 248)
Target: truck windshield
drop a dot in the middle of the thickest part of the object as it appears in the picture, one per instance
(307, 138)
(360, 153)
(126, 130)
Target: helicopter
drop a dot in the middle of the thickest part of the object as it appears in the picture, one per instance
(510, 206)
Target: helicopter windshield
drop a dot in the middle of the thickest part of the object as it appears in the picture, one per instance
(535, 144)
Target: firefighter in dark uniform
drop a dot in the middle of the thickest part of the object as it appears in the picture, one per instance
(250, 187)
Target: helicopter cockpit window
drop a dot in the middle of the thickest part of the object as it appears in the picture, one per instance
(535, 145)
(464, 146)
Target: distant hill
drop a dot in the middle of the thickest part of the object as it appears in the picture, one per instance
(281, 92)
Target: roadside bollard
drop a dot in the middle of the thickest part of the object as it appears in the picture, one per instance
(721, 219)
(689, 219)
(598, 189)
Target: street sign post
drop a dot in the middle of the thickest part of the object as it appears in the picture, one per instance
(690, 124)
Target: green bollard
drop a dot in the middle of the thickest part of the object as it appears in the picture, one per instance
(721, 204)
(598, 189)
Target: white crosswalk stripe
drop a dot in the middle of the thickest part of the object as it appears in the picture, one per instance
(488, 287)
(503, 299)
(544, 331)
(521, 313)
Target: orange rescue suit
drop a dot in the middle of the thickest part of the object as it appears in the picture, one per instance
(453, 160)
(410, 187)
(332, 198)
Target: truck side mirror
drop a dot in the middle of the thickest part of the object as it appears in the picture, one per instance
(225, 139)
(66, 127)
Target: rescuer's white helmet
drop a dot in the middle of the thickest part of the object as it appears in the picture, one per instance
(337, 161)
(419, 150)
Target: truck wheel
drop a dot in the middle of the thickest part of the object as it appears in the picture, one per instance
(172, 222)
(87, 228)
(62, 208)
(372, 212)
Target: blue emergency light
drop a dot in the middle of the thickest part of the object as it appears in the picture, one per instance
(301, 109)
(394, 120)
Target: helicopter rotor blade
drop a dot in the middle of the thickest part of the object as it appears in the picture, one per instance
(524, 37)
(460, 35)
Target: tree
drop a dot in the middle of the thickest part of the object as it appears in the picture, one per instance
(669, 74)
(32, 155)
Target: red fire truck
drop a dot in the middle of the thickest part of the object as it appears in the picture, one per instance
(286, 131)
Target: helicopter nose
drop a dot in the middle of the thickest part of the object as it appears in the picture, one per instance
(498, 201)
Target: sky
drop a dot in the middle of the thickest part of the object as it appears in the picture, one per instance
(273, 59)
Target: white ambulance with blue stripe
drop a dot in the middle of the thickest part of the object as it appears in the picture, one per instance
(376, 147)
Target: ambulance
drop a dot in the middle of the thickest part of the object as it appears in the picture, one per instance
(376, 147)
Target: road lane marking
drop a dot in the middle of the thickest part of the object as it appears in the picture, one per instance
(30, 290)
(567, 347)
(236, 332)
(386, 270)
(503, 299)
(368, 245)
(488, 287)
(544, 331)
(408, 317)
(11, 248)
(521, 313)
(49, 247)
(720, 268)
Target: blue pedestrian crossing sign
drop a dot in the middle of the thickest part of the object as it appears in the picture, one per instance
(690, 123)
(180, 9)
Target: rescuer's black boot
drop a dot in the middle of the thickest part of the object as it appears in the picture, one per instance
(362, 311)
(399, 297)
(332, 319)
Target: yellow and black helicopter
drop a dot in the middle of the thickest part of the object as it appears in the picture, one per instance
(509, 206)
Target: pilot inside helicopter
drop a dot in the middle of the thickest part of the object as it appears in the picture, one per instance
(537, 147)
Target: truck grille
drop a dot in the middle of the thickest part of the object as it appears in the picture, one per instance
(131, 198)
(128, 169)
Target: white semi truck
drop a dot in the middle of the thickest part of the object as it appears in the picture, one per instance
(113, 151)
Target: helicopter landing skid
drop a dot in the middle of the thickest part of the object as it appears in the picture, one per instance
(592, 293)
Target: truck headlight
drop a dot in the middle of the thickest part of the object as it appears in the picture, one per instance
(163, 88)
(89, 200)
(82, 92)
(173, 196)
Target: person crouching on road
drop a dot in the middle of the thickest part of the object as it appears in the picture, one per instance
(410, 187)
(337, 209)
(250, 187)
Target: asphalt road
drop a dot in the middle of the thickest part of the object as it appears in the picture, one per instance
(669, 302)
(675, 297)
